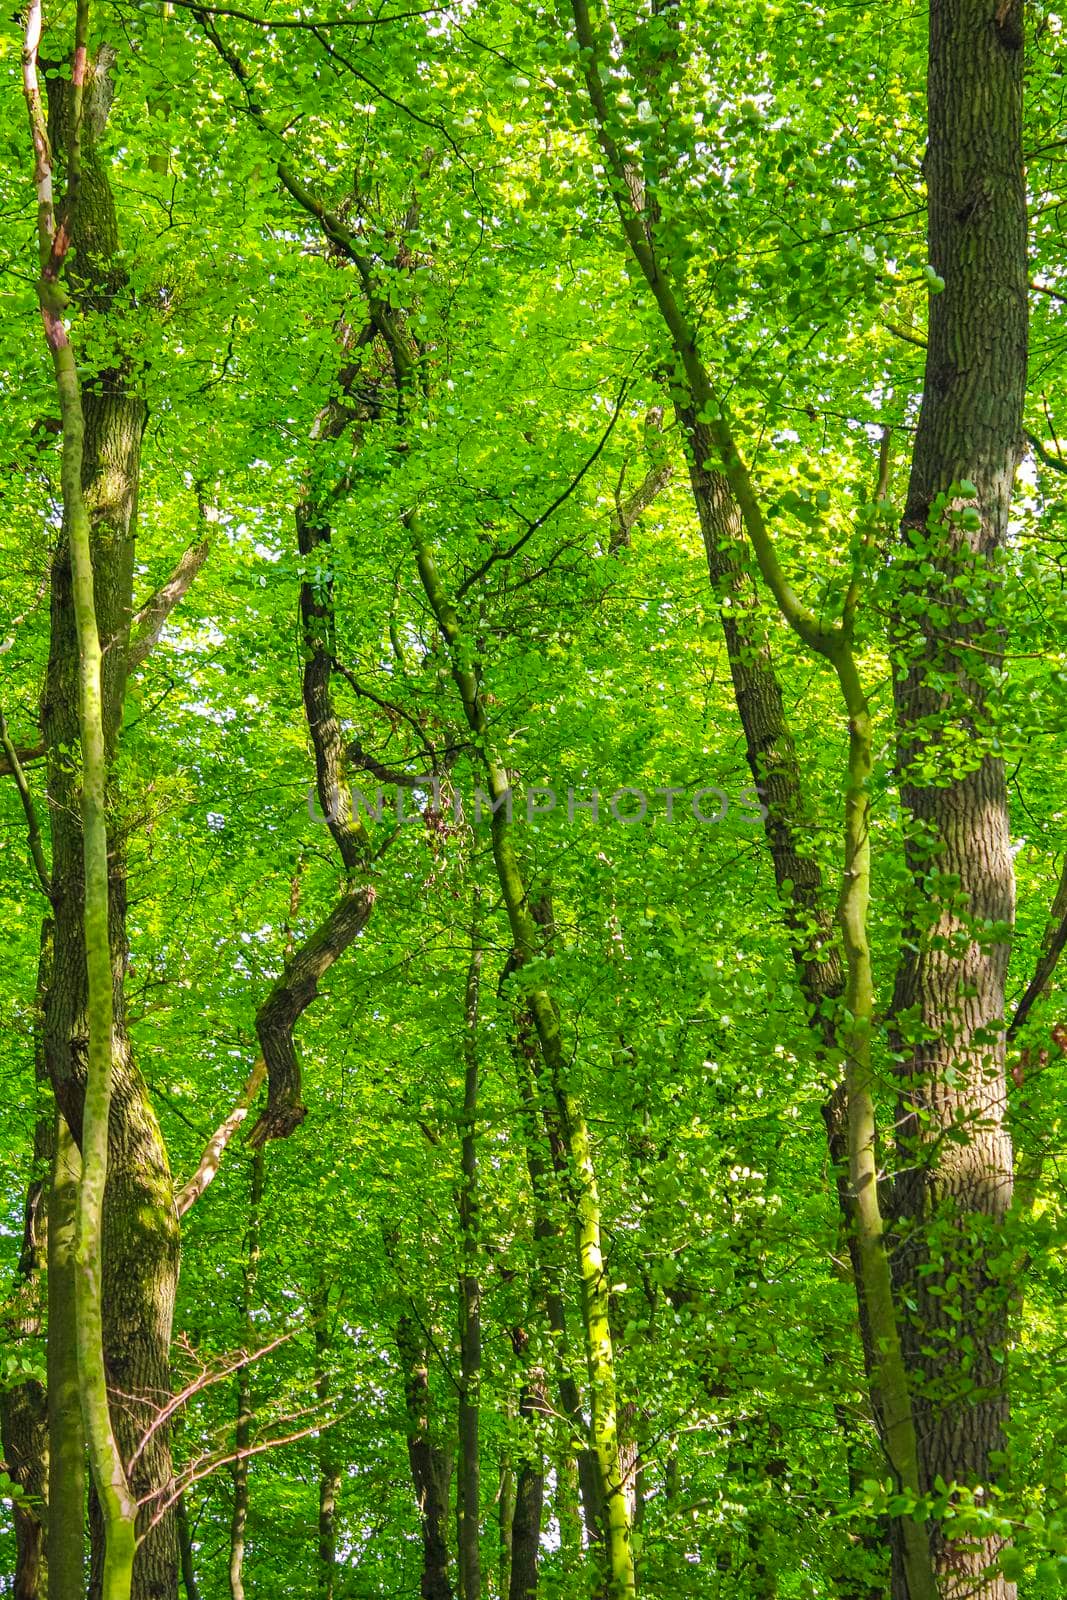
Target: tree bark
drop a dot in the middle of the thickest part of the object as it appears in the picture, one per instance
(328, 1462)
(428, 1469)
(956, 1180)
(470, 1323)
(530, 1484)
(66, 1435)
(24, 1407)
(140, 1243)
(243, 1427)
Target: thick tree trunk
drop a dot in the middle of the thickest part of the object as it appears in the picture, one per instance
(141, 1242)
(955, 1185)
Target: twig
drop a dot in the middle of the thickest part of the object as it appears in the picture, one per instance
(539, 522)
(33, 831)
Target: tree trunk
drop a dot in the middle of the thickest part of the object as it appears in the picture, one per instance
(505, 1516)
(541, 1131)
(185, 1549)
(470, 1323)
(141, 1242)
(530, 1484)
(583, 1195)
(24, 1407)
(428, 1469)
(328, 1462)
(243, 1428)
(955, 1186)
(66, 1435)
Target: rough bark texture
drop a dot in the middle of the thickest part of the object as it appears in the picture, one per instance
(955, 1186)
(141, 1244)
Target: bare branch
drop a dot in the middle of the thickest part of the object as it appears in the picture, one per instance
(564, 495)
(209, 1376)
(14, 766)
(211, 1464)
(216, 1145)
(648, 490)
(1052, 947)
(148, 623)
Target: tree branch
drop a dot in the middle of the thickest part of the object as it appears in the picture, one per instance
(216, 1145)
(539, 522)
(147, 624)
(1052, 947)
(289, 999)
(14, 766)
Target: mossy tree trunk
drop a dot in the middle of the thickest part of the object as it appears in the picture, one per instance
(140, 1230)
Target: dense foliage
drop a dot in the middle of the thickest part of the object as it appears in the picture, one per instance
(426, 601)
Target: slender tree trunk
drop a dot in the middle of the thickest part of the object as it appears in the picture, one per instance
(428, 1469)
(470, 1327)
(185, 1549)
(568, 1514)
(541, 1130)
(505, 1515)
(328, 1462)
(955, 1186)
(243, 1429)
(24, 1407)
(584, 1196)
(66, 1434)
(530, 1484)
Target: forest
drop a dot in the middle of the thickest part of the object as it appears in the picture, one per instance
(533, 800)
